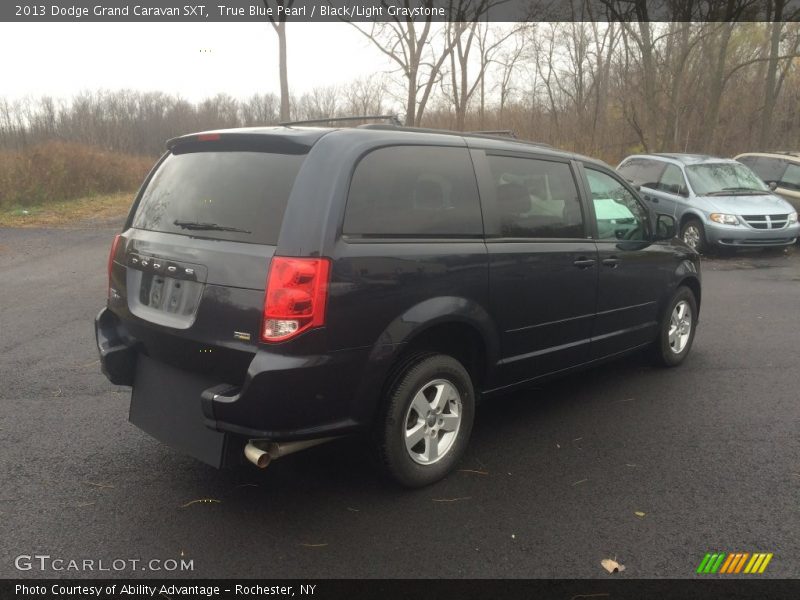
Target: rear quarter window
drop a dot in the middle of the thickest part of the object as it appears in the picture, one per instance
(414, 191)
(227, 195)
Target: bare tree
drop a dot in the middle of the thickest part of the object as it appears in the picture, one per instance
(410, 45)
(279, 25)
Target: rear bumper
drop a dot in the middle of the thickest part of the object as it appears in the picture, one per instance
(117, 349)
(282, 397)
(748, 237)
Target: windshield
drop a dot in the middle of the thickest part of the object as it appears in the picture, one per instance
(225, 195)
(720, 178)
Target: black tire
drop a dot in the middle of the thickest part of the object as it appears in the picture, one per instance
(663, 351)
(398, 417)
(694, 225)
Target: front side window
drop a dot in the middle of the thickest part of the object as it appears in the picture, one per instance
(791, 178)
(768, 169)
(724, 179)
(619, 214)
(414, 191)
(642, 171)
(536, 198)
(672, 181)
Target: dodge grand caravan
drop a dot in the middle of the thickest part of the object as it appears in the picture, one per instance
(275, 288)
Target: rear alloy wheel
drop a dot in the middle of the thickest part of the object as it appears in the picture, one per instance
(427, 422)
(678, 325)
(694, 236)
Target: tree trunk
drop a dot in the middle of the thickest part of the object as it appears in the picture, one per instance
(282, 67)
(770, 92)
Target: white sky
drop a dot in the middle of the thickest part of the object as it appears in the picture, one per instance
(61, 59)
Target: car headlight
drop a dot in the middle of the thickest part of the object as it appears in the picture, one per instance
(724, 219)
(792, 218)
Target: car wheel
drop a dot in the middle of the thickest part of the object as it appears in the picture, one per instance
(694, 235)
(427, 420)
(677, 329)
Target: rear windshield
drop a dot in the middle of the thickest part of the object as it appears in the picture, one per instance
(225, 195)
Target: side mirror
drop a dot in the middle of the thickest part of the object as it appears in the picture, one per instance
(666, 227)
(773, 185)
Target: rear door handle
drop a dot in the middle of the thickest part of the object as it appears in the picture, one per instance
(653, 199)
(611, 262)
(584, 263)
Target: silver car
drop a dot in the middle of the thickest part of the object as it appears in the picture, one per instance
(716, 201)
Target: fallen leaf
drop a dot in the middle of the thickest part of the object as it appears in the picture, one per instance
(639, 513)
(475, 471)
(558, 445)
(451, 499)
(577, 439)
(82, 504)
(313, 545)
(203, 501)
(353, 509)
(631, 465)
(247, 485)
(612, 566)
(513, 537)
(100, 485)
(579, 482)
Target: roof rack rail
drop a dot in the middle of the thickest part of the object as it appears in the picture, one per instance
(509, 132)
(394, 119)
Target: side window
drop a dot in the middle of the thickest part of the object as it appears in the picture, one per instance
(791, 178)
(414, 191)
(642, 171)
(769, 169)
(536, 198)
(619, 214)
(672, 181)
(749, 161)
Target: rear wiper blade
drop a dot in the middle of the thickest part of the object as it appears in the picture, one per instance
(207, 226)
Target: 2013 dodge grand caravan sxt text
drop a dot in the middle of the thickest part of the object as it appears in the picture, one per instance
(277, 287)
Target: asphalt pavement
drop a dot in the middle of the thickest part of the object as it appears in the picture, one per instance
(652, 467)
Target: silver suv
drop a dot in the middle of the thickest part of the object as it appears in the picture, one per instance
(716, 201)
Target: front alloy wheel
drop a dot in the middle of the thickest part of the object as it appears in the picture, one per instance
(694, 236)
(677, 329)
(680, 327)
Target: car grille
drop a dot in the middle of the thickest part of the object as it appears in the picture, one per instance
(766, 221)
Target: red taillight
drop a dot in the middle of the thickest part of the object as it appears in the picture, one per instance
(208, 137)
(112, 254)
(297, 291)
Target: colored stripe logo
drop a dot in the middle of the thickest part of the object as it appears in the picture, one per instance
(734, 563)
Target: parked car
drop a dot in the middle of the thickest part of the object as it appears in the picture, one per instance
(717, 202)
(779, 170)
(274, 288)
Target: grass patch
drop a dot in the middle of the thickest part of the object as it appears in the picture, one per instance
(54, 171)
(92, 210)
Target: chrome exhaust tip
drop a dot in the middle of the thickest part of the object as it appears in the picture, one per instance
(257, 456)
(262, 452)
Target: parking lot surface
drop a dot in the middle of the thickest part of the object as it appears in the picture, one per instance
(652, 467)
